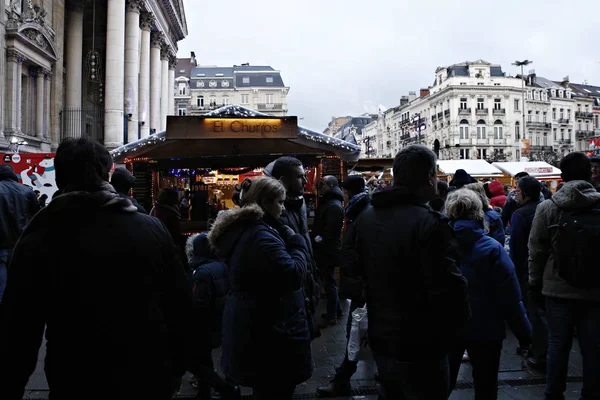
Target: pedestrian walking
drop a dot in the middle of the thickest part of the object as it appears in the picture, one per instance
(18, 204)
(266, 337)
(416, 295)
(106, 284)
(327, 242)
(290, 172)
(494, 295)
(357, 198)
(563, 261)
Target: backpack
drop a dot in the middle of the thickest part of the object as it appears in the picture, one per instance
(575, 252)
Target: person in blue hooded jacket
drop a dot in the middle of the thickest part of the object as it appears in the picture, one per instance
(494, 295)
(493, 218)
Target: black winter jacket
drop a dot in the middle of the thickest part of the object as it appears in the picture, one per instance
(416, 295)
(108, 285)
(327, 226)
(135, 203)
(350, 283)
(18, 204)
(266, 307)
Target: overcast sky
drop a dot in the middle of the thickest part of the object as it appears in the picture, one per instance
(346, 57)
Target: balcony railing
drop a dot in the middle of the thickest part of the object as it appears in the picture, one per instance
(446, 113)
(583, 114)
(563, 120)
(542, 148)
(537, 124)
(583, 134)
(499, 111)
(434, 118)
(481, 111)
(464, 111)
(270, 106)
(565, 142)
(440, 115)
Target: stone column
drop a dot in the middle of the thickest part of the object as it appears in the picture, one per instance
(39, 103)
(48, 88)
(132, 67)
(164, 91)
(74, 54)
(172, 66)
(115, 79)
(146, 22)
(155, 80)
(12, 61)
(19, 101)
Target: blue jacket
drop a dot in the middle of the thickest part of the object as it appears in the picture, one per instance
(266, 307)
(520, 227)
(494, 220)
(210, 287)
(494, 292)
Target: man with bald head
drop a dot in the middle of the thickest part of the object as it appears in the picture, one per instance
(327, 243)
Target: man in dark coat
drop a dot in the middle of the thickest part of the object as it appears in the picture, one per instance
(18, 204)
(327, 241)
(122, 180)
(357, 199)
(416, 295)
(107, 284)
(291, 173)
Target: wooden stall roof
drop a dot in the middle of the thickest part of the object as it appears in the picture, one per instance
(475, 168)
(372, 164)
(181, 147)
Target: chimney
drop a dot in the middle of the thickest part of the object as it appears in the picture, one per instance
(565, 82)
(403, 100)
(411, 96)
(424, 92)
(193, 58)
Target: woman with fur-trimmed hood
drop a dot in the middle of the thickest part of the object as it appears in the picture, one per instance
(265, 308)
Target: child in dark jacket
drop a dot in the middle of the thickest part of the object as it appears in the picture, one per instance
(494, 295)
(210, 287)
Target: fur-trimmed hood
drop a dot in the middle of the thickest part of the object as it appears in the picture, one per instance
(576, 194)
(230, 225)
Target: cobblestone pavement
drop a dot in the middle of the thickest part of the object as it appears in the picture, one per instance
(516, 382)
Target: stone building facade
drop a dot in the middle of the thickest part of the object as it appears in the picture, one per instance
(97, 68)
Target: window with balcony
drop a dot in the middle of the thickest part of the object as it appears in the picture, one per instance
(516, 105)
(578, 107)
(587, 126)
(225, 100)
(529, 96)
(570, 134)
(545, 117)
(200, 101)
(529, 116)
(245, 99)
(497, 104)
(464, 154)
(482, 154)
(480, 104)
(562, 134)
(182, 111)
(555, 138)
(569, 114)
(536, 95)
(498, 130)
(517, 130)
(212, 100)
(481, 129)
(463, 104)
(562, 113)
(537, 116)
(181, 88)
(554, 113)
(578, 125)
(269, 98)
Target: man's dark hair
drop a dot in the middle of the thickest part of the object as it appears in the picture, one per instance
(530, 187)
(576, 167)
(81, 164)
(284, 166)
(413, 166)
(521, 175)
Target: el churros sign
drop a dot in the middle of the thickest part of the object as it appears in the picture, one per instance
(187, 127)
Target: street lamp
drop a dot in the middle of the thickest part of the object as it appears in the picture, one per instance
(15, 144)
(522, 64)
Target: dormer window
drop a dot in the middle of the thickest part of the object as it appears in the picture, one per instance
(269, 79)
(212, 84)
(219, 74)
(225, 84)
(200, 84)
(246, 79)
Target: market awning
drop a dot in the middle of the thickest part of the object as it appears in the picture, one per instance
(537, 169)
(179, 141)
(475, 168)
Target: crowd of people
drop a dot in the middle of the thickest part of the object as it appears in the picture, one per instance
(122, 297)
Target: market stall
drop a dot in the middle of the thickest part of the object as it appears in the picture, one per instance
(478, 169)
(210, 154)
(538, 169)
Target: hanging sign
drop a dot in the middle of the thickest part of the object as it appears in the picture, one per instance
(263, 127)
(539, 170)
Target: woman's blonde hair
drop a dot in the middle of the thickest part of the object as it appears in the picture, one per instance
(464, 204)
(480, 190)
(263, 187)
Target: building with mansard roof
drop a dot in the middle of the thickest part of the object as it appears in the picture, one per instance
(97, 68)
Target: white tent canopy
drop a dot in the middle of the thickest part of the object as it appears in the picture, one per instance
(537, 169)
(475, 168)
